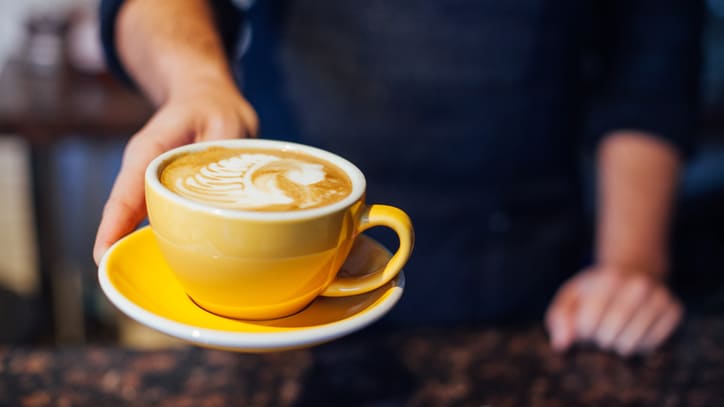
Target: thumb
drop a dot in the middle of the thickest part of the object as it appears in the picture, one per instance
(126, 206)
(560, 318)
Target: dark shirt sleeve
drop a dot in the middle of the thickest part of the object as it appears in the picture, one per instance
(650, 54)
(227, 17)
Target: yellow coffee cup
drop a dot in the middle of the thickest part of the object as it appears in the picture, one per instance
(250, 264)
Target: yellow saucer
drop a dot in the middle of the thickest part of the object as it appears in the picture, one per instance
(136, 279)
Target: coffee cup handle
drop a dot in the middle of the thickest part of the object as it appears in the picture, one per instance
(378, 215)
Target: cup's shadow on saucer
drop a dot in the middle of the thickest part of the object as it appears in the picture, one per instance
(366, 257)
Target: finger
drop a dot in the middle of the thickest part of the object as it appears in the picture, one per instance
(230, 125)
(632, 293)
(596, 294)
(560, 317)
(663, 327)
(630, 338)
(221, 127)
(250, 119)
(120, 215)
(126, 206)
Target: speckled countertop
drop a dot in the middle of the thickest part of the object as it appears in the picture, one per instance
(475, 367)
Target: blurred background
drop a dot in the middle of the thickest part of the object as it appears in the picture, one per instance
(63, 124)
(64, 121)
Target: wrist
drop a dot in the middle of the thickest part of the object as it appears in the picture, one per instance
(655, 267)
(167, 56)
(634, 250)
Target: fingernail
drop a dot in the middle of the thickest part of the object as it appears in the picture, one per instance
(560, 346)
(559, 341)
(586, 329)
(553, 333)
(624, 351)
(604, 339)
(556, 341)
(98, 254)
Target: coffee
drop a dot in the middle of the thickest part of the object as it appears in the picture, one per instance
(255, 179)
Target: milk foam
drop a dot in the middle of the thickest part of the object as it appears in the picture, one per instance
(253, 181)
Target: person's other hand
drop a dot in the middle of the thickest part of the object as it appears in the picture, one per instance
(201, 112)
(620, 311)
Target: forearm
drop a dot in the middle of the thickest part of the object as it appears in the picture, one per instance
(637, 177)
(168, 45)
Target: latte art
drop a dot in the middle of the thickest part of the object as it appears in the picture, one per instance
(251, 180)
(255, 180)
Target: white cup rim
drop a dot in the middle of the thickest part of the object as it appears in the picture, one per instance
(354, 174)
